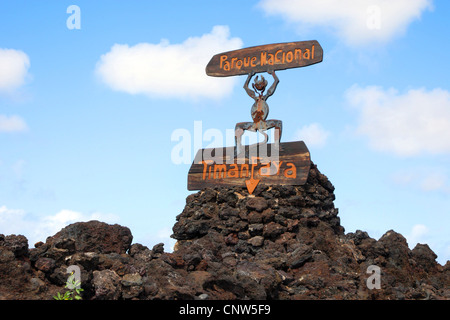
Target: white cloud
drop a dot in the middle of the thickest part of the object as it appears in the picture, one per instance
(7, 214)
(433, 182)
(14, 66)
(419, 234)
(408, 124)
(314, 135)
(164, 236)
(435, 238)
(17, 221)
(60, 219)
(10, 219)
(12, 123)
(356, 22)
(169, 70)
(429, 179)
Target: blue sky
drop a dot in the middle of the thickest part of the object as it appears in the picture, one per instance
(89, 117)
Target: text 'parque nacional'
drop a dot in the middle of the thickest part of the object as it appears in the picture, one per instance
(267, 57)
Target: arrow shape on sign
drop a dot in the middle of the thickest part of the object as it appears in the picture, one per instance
(252, 182)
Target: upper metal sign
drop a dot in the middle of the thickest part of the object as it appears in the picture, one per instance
(270, 57)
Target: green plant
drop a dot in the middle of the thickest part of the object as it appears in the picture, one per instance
(74, 291)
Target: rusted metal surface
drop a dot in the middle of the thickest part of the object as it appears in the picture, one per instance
(259, 110)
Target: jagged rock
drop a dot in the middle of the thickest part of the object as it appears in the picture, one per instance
(283, 242)
(18, 244)
(107, 285)
(93, 236)
(45, 264)
(257, 203)
(256, 241)
(132, 285)
(37, 285)
(424, 257)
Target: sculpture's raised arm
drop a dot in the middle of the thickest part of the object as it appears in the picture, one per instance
(274, 84)
(249, 91)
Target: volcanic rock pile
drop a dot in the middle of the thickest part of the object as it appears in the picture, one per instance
(282, 242)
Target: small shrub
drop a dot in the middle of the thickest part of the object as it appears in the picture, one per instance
(74, 292)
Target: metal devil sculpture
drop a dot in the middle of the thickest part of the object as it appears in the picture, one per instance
(259, 111)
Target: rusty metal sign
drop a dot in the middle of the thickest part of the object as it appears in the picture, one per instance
(278, 56)
(275, 163)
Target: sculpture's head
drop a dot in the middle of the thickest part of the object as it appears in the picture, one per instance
(260, 85)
